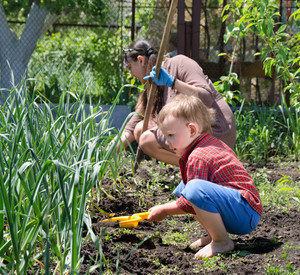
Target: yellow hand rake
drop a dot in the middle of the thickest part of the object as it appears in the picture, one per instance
(129, 221)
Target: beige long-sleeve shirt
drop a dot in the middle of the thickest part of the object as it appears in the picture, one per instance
(188, 71)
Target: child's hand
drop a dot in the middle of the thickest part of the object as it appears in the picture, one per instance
(160, 212)
(157, 213)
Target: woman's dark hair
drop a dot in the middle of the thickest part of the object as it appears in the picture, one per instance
(144, 47)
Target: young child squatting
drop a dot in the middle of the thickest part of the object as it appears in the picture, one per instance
(215, 186)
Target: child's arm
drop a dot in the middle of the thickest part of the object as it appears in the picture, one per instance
(160, 212)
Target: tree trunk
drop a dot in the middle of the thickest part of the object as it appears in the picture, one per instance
(15, 53)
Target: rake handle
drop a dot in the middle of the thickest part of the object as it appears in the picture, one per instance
(159, 60)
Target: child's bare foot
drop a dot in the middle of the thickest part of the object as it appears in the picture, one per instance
(213, 248)
(201, 242)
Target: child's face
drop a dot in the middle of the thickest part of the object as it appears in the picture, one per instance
(179, 133)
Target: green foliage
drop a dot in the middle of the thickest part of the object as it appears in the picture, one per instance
(280, 51)
(175, 238)
(261, 134)
(20, 8)
(283, 194)
(275, 270)
(49, 165)
(292, 123)
(63, 62)
(212, 264)
(225, 87)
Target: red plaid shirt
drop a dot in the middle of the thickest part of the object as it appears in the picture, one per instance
(210, 159)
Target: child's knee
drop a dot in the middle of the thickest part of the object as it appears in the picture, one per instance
(198, 188)
(198, 192)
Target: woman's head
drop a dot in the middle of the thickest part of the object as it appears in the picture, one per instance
(190, 109)
(139, 58)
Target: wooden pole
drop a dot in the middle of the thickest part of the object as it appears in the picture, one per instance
(159, 60)
(132, 19)
(196, 29)
(181, 27)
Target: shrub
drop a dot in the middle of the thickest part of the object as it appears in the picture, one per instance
(63, 62)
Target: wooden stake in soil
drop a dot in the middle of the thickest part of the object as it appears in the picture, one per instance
(150, 94)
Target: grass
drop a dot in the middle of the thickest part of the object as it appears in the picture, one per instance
(291, 246)
(284, 194)
(211, 264)
(275, 270)
(172, 237)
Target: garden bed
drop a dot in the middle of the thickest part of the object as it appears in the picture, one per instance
(273, 247)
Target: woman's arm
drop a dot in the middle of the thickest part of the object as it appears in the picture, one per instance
(169, 80)
(188, 79)
(126, 139)
(185, 88)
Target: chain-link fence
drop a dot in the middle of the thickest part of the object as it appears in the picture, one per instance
(85, 42)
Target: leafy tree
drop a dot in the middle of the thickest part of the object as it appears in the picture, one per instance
(15, 52)
(280, 53)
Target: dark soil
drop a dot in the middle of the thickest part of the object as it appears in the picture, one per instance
(273, 248)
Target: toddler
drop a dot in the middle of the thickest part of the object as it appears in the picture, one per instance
(215, 186)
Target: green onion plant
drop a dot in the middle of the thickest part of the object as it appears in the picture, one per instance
(51, 157)
(260, 133)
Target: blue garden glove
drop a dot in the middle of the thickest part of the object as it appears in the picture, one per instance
(164, 78)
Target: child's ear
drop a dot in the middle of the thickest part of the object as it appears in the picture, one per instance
(193, 129)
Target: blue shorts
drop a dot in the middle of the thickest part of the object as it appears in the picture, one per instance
(237, 214)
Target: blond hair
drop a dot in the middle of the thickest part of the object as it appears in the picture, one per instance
(189, 108)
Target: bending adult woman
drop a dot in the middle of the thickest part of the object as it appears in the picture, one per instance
(178, 74)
